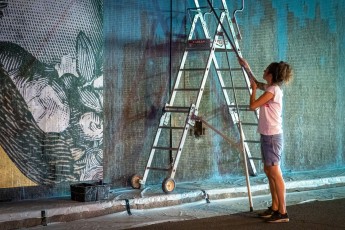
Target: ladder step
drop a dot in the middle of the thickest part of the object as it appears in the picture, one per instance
(223, 50)
(255, 158)
(251, 141)
(170, 127)
(176, 109)
(165, 148)
(160, 169)
(240, 107)
(229, 69)
(193, 69)
(187, 89)
(237, 87)
(249, 124)
(208, 49)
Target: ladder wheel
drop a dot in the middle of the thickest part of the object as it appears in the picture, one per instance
(135, 181)
(168, 185)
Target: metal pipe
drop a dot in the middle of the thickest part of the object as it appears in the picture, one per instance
(240, 125)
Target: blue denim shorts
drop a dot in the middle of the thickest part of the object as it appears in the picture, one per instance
(271, 149)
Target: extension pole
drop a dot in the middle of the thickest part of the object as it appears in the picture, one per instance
(240, 124)
(246, 169)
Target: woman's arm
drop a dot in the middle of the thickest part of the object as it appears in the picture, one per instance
(263, 99)
(246, 66)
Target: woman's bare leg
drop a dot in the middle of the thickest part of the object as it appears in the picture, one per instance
(278, 191)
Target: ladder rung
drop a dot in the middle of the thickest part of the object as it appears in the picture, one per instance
(240, 107)
(254, 158)
(160, 169)
(208, 49)
(176, 109)
(193, 69)
(164, 148)
(237, 87)
(223, 50)
(170, 127)
(251, 141)
(187, 89)
(248, 123)
(229, 69)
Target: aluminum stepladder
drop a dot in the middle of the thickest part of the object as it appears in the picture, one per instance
(209, 46)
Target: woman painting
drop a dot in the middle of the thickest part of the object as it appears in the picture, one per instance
(270, 129)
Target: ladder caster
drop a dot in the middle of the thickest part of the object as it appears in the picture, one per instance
(168, 185)
(135, 181)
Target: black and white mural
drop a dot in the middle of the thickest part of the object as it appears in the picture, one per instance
(51, 91)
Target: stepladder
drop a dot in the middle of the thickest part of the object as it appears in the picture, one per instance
(212, 49)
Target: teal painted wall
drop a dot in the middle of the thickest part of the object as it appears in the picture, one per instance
(307, 34)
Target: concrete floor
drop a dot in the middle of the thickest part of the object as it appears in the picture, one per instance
(233, 213)
(187, 202)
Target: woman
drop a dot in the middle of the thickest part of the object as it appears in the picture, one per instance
(270, 128)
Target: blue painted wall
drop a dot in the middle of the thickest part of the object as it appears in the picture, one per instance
(143, 46)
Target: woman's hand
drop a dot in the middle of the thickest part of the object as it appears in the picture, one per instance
(253, 84)
(243, 62)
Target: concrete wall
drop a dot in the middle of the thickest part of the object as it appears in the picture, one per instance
(308, 34)
(141, 47)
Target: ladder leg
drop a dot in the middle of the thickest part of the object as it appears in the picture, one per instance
(188, 123)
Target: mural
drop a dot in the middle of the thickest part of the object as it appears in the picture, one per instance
(51, 92)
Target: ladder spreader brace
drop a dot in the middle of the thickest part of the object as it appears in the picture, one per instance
(219, 43)
(233, 144)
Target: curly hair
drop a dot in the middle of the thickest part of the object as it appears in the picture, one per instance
(281, 72)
